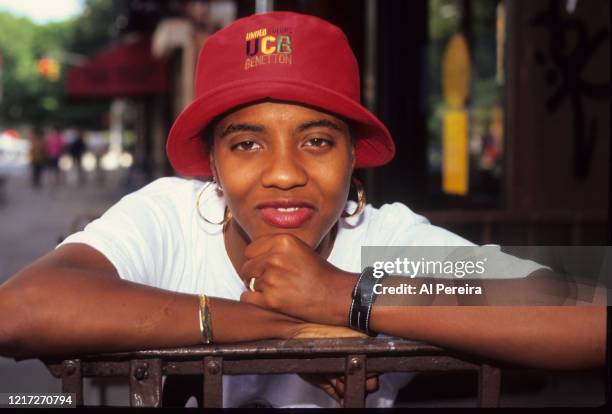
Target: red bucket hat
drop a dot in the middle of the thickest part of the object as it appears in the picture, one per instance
(279, 55)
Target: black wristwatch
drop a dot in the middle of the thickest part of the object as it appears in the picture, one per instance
(363, 299)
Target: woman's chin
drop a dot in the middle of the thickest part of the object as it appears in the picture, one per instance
(304, 234)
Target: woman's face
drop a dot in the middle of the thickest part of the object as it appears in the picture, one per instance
(284, 168)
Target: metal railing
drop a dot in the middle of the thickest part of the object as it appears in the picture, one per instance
(352, 357)
(523, 228)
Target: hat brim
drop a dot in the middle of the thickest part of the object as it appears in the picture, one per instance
(187, 150)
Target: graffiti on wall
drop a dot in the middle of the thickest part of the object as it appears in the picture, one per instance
(571, 47)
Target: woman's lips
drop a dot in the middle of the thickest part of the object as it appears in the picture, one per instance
(286, 217)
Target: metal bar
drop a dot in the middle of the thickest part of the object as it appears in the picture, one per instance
(145, 383)
(390, 363)
(213, 382)
(369, 78)
(445, 217)
(105, 368)
(489, 386)
(284, 366)
(355, 374)
(72, 380)
(355, 358)
(418, 364)
(279, 348)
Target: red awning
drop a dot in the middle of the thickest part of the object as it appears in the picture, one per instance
(127, 69)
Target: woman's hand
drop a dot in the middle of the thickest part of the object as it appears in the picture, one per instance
(332, 384)
(315, 330)
(291, 278)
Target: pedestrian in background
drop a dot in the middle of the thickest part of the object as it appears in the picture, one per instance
(54, 146)
(38, 156)
(76, 150)
(97, 144)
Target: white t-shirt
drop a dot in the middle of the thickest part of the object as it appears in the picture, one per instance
(155, 236)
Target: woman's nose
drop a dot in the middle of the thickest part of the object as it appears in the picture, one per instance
(284, 170)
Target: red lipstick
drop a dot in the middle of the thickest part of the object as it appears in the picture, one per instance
(286, 213)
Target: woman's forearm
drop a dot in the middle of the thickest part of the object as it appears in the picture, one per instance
(64, 311)
(560, 337)
(545, 336)
(233, 322)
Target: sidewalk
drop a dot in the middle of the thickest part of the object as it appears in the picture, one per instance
(31, 222)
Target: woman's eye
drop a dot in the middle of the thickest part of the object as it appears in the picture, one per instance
(319, 142)
(246, 146)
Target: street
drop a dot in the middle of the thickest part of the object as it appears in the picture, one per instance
(31, 222)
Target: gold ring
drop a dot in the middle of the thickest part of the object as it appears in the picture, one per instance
(252, 284)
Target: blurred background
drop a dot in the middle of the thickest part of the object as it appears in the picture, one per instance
(499, 110)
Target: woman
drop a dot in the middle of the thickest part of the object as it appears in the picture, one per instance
(278, 125)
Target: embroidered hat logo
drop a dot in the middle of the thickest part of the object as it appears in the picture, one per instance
(264, 47)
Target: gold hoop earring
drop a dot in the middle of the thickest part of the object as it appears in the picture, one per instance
(227, 214)
(215, 182)
(361, 199)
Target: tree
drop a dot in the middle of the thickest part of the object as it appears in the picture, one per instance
(28, 96)
(94, 28)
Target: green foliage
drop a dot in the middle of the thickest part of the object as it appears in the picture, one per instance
(28, 97)
(92, 31)
(444, 19)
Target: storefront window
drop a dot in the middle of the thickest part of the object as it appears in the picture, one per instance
(465, 123)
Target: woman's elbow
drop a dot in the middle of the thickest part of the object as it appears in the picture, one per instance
(14, 322)
(581, 345)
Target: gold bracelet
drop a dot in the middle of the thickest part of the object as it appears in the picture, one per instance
(205, 322)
